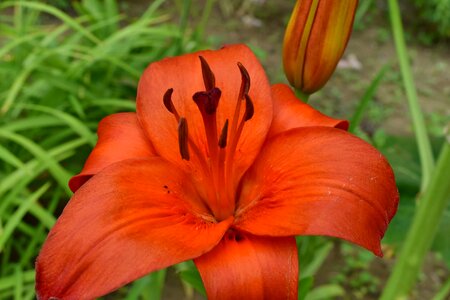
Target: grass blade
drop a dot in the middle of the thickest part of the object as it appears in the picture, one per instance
(8, 157)
(56, 13)
(58, 172)
(9, 282)
(16, 218)
(78, 126)
(366, 98)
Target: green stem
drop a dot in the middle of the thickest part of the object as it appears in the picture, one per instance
(302, 96)
(423, 143)
(423, 229)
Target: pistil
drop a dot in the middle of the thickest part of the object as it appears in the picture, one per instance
(207, 103)
(218, 164)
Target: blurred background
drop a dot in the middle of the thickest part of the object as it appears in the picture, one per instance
(64, 65)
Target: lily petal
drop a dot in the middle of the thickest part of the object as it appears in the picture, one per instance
(290, 112)
(319, 181)
(120, 137)
(250, 267)
(184, 75)
(132, 218)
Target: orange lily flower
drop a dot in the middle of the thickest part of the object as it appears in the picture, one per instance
(220, 167)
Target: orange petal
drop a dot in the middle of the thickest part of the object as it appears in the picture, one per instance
(184, 75)
(319, 181)
(250, 267)
(132, 218)
(290, 112)
(120, 137)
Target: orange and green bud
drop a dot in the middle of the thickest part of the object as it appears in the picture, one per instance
(315, 39)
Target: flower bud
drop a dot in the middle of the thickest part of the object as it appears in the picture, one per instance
(315, 39)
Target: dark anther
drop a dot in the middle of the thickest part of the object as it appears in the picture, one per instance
(223, 135)
(207, 101)
(183, 138)
(245, 81)
(208, 76)
(168, 100)
(249, 109)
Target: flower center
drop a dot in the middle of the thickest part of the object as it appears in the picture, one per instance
(217, 164)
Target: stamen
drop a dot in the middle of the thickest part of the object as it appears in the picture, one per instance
(249, 108)
(245, 81)
(207, 102)
(245, 87)
(183, 138)
(223, 135)
(167, 99)
(168, 103)
(226, 202)
(208, 76)
(237, 127)
(248, 114)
